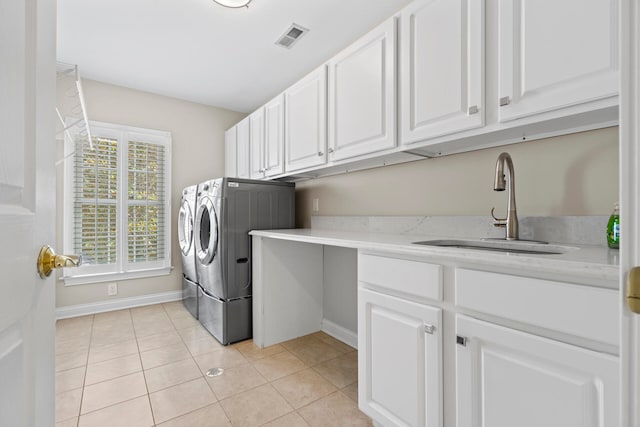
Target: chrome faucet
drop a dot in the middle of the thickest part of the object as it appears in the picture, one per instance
(511, 221)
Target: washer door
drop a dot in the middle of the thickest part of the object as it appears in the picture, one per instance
(185, 228)
(206, 232)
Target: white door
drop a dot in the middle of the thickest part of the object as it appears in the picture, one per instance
(230, 155)
(27, 211)
(305, 121)
(507, 378)
(441, 68)
(400, 347)
(256, 144)
(242, 149)
(556, 54)
(362, 95)
(629, 206)
(274, 136)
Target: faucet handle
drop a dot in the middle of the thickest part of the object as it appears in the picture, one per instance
(499, 222)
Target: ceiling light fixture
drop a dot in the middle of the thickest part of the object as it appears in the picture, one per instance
(234, 4)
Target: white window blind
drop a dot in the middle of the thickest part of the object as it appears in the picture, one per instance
(95, 201)
(145, 201)
(116, 191)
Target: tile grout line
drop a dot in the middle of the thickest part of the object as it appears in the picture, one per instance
(113, 404)
(86, 368)
(249, 362)
(280, 394)
(192, 357)
(146, 385)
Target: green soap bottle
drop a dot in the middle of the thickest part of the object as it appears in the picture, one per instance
(613, 228)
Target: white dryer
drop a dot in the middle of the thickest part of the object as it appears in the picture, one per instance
(186, 240)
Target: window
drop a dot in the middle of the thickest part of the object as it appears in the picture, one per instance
(117, 203)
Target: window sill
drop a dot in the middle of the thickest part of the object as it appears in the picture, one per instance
(111, 277)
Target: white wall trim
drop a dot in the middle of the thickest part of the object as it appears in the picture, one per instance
(116, 304)
(340, 333)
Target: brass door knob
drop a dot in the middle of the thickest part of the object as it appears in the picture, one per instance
(48, 260)
(633, 290)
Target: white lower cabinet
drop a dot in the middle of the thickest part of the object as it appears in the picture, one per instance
(544, 353)
(507, 378)
(399, 360)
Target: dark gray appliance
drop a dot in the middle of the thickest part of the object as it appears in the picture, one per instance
(228, 208)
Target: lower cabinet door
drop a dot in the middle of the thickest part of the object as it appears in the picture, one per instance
(507, 378)
(399, 361)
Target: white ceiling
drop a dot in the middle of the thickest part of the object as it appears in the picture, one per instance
(200, 51)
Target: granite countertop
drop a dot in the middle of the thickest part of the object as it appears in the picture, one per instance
(594, 262)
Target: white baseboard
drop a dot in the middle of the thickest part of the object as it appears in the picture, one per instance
(116, 304)
(340, 333)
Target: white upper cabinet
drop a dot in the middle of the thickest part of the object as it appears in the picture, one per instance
(306, 121)
(441, 68)
(555, 54)
(230, 153)
(442, 77)
(362, 94)
(242, 149)
(274, 136)
(266, 139)
(256, 144)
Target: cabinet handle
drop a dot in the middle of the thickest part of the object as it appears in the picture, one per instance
(473, 109)
(320, 154)
(429, 329)
(461, 340)
(505, 100)
(330, 150)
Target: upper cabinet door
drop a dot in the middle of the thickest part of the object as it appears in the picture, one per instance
(306, 121)
(256, 144)
(362, 92)
(555, 54)
(274, 136)
(441, 68)
(242, 149)
(230, 153)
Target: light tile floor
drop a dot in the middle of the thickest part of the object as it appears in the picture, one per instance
(145, 366)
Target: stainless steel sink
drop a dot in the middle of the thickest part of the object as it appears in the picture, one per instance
(517, 246)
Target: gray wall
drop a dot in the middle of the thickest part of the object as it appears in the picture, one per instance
(340, 293)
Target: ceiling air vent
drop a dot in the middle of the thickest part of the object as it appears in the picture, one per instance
(291, 36)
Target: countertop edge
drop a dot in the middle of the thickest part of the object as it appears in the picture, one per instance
(401, 244)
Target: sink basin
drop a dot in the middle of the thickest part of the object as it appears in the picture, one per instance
(516, 246)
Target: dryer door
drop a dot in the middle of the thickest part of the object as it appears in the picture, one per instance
(206, 232)
(185, 228)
